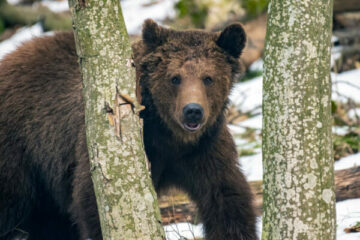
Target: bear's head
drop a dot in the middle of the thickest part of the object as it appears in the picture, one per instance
(186, 76)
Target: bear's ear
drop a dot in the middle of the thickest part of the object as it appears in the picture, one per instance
(232, 39)
(153, 35)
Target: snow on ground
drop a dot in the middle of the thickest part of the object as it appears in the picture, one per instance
(56, 6)
(354, 113)
(22, 35)
(346, 85)
(348, 162)
(13, 2)
(254, 122)
(252, 166)
(235, 129)
(184, 230)
(340, 130)
(347, 214)
(258, 65)
(135, 12)
(247, 96)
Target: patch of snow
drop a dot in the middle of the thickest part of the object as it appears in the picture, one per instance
(13, 2)
(247, 96)
(334, 39)
(259, 226)
(347, 214)
(135, 12)
(252, 166)
(340, 130)
(234, 129)
(180, 231)
(254, 122)
(346, 85)
(22, 35)
(348, 162)
(353, 113)
(335, 55)
(56, 6)
(240, 141)
(258, 65)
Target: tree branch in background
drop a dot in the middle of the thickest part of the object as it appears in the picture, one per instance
(13, 15)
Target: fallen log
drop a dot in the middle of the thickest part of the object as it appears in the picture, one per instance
(176, 207)
(347, 184)
(348, 38)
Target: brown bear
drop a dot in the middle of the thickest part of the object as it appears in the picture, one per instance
(185, 78)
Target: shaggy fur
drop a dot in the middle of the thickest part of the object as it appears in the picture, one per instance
(45, 184)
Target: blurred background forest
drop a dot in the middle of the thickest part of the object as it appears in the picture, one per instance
(21, 20)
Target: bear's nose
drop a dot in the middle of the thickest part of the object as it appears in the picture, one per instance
(193, 112)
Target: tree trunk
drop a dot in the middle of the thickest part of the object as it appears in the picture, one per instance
(125, 197)
(299, 199)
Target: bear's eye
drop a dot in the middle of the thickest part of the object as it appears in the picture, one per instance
(176, 80)
(207, 80)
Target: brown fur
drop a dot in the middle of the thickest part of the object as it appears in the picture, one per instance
(46, 188)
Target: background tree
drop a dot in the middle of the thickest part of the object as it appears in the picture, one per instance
(126, 199)
(299, 199)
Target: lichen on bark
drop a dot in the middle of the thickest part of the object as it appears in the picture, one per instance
(299, 199)
(126, 199)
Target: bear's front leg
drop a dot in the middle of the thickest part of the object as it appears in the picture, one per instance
(225, 205)
(223, 196)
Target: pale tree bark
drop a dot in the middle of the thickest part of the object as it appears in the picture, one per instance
(125, 197)
(299, 199)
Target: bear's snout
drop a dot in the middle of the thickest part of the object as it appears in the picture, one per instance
(193, 115)
(193, 112)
